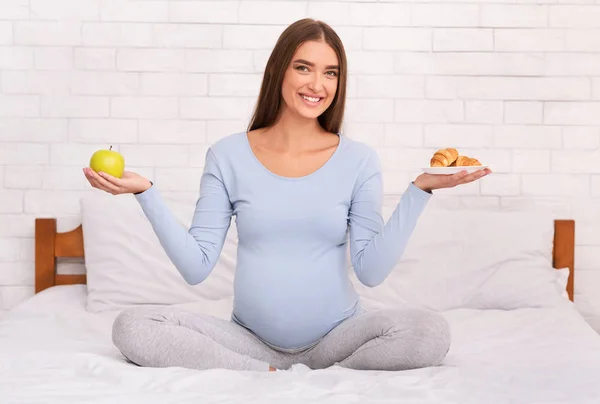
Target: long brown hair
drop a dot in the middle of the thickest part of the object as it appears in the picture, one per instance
(270, 99)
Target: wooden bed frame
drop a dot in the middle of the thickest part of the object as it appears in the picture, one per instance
(50, 245)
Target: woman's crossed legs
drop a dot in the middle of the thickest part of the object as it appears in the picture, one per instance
(387, 339)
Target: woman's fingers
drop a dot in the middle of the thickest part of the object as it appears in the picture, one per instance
(128, 182)
(102, 183)
(112, 188)
(437, 181)
(91, 179)
(455, 179)
(117, 182)
(473, 176)
(464, 177)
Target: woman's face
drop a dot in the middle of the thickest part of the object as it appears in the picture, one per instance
(311, 80)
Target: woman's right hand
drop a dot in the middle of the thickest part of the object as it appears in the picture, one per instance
(129, 182)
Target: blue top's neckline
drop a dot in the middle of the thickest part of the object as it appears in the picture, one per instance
(318, 170)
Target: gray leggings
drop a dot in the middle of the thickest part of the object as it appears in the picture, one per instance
(376, 340)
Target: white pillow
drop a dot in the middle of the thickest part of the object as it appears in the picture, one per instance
(126, 265)
(473, 259)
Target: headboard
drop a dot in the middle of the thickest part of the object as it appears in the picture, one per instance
(50, 245)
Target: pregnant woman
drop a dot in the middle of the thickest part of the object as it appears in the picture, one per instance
(301, 194)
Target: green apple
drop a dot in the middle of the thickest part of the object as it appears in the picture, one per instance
(108, 161)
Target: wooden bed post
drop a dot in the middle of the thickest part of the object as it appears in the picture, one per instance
(564, 251)
(50, 245)
(45, 258)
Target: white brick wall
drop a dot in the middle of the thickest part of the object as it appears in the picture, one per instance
(515, 83)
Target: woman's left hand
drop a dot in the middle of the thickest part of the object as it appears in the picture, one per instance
(429, 182)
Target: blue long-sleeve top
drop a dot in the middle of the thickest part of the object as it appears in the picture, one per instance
(291, 284)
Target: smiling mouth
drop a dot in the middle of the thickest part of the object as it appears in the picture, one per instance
(311, 100)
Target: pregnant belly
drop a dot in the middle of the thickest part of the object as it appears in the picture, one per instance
(291, 307)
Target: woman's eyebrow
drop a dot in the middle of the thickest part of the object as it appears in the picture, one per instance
(306, 62)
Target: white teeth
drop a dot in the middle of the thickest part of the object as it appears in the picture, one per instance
(311, 99)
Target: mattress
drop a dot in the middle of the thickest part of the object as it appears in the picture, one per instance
(53, 351)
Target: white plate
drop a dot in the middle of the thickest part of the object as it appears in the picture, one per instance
(452, 170)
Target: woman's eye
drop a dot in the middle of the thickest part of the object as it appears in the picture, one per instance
(305, 69)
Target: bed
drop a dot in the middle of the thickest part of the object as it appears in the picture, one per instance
(54, 350)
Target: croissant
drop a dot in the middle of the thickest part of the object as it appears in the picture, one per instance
(462, 161)
(444, 157)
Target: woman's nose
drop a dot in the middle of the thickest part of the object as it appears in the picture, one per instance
(316, 83)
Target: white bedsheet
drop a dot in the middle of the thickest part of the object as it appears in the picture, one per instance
(53, 351)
